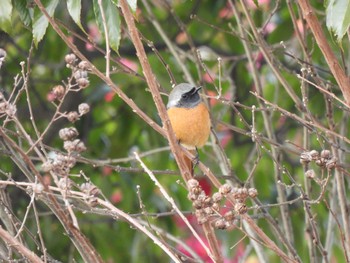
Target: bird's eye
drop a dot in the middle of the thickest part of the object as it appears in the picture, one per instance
(184, 96)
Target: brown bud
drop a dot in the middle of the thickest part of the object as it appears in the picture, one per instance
(252, 192)
(229, 216)
(314, 154)
(310, 174)
(330, 164)
(84, 65)
(240, 208)
(83, 83)
(72, 116)
(217, 197)
(197, 204)
(68, 133)
(192, 183)
(70, 59)
(58, 91)
(83, 108)
(325, 154)
(220, 224)
(216, 207)
(225, 189)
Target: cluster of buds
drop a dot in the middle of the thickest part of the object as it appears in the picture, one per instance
(91, 192)
(65, 184)
(59, 164)
(71, 144)
(73, 116)
(58, 92)
(6, 108)
(323, 159)
(208, 208)
(80, 71)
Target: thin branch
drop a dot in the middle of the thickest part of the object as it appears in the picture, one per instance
(20, 248)
(332, 61)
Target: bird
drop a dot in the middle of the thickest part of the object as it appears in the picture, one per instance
(189, 117)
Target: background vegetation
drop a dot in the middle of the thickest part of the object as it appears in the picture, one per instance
(89, 173)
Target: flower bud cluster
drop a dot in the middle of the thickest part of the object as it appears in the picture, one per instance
(73, 116)
(70, 144)
(208, 208)
(80, 71)
(323, 159)
(91, 192)
(58, 92)
(59, 164)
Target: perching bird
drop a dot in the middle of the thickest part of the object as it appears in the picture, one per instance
(189, 116)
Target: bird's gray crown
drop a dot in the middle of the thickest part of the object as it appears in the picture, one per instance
(184, 95)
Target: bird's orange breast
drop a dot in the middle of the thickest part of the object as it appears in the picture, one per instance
(191, 125)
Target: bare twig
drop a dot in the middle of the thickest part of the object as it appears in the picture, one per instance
(20, 248)
(338, 73)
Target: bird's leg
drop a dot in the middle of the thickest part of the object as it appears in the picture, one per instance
(195, 160)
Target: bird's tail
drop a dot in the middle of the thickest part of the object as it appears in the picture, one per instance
(190, 163)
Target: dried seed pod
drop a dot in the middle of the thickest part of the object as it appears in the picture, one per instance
(252, 192)
(229, 216)
(192, 196)
(305, 157)
(208, 210)
(197, 204)
(46, 166)
(38, 188)
(240, 208)
(11, 110)
(225, 189)
(83, 108)
(310, 174)
(217, 197)
(90, 189)
(192, 183)
(74, 146)
(207, 201)
(330, 164)
(326, 154)
(68, 133)
(70, 59)
(201, 217)
(314, 154)
(84, 65)
(220, 224)
(65, 183)
(83, 83)
(72, 116)
(58, 91)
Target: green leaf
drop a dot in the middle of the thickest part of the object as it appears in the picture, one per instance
(338, 17)
(74, 9)
(5, 15)
(41, 22)
(131, 3)
(25, 13)
(111, 14)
